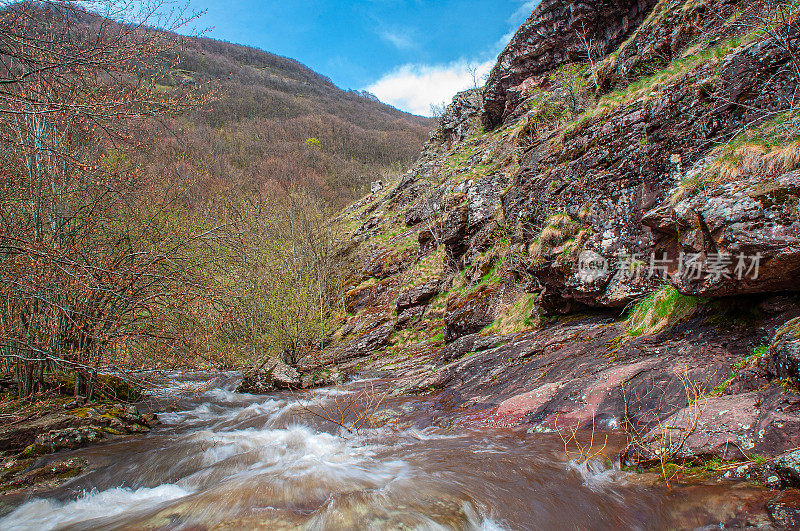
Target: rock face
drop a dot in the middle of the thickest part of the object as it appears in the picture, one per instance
(553, 36)
(622, 173)
(782, 360)
(748, 226)
(788, 468)
(461, 118)
(418, 296)
(672, 26)
(469, 316)
(784, 510)
(513, 267)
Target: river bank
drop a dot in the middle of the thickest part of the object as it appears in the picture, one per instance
(227, 460)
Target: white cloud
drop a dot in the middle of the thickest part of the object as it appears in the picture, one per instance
(399, 40)
(414, 87)
(523, 12)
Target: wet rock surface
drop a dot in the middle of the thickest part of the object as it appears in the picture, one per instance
(61, 429)
(782, 360)
(784, 509)
(787, 468)
(71, 428)
(579, 374)
(25, 475)
(269, 376)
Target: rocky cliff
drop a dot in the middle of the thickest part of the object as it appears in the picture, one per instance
(606, 235)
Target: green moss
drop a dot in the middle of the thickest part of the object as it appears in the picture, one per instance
(71, 473)
(659, 310)
(34, 450)
(747, 361)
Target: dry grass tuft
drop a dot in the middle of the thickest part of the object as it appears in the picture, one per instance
(560, 228)
(551, 236)
(754, 160)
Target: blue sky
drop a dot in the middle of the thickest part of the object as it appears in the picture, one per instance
(411, 53)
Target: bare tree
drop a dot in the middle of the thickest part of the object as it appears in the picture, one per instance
(589, 47)
(85, 265)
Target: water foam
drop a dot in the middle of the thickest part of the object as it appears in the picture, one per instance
(47, 514)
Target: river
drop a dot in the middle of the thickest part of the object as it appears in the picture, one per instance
(224, 460)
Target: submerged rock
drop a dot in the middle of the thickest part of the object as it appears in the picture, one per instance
(23, 474)
(784, 510)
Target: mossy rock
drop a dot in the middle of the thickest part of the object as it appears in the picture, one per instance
(772, 193)
(34, 450)
(782, 359)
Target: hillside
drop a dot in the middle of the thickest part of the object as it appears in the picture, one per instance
(256, 121)
(577, 308)
(606, 235)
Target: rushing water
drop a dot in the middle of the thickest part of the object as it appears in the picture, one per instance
(224, 460)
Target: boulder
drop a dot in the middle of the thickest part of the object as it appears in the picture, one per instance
(788, 469)
(271, 375)
(410, 316)
(363, 345)
(418, 295)
(782, 360)
(470, 316)
(784, 510)
(746, 234)
(67, 438)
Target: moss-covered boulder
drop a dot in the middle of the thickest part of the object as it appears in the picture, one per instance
(782, 360)
(269, 376)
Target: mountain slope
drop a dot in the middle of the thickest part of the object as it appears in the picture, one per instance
(268, 122)
(599, 244)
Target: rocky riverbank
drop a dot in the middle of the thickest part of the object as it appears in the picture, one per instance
(36, 430)
(605, 244)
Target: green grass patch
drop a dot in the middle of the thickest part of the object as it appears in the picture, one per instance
(658, 311)
(745, 362)
(515, 317)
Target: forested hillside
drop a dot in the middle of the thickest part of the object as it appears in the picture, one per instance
(268, 122)
(167, 201)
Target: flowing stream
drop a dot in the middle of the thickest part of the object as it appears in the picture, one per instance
(223, 460)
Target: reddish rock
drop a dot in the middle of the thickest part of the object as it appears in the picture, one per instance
(552, 37)
(418, 295)
(782, 360)
(784, 509)
(470, 315)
